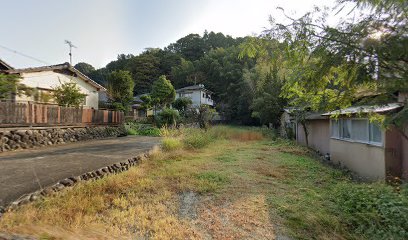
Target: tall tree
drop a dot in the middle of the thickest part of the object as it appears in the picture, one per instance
(163, 92)
(120, 88)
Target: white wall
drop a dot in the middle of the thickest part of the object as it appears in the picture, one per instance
(364, 159)
(196, 97)
(50, 80)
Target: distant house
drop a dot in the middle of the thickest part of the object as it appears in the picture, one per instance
(351, 140)
(137, 110)
(44, 79)
(197, 93)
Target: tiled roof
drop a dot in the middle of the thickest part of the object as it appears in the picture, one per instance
(64, 66)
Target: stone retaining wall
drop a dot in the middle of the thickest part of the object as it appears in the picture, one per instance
(13, 139)
(71, 181)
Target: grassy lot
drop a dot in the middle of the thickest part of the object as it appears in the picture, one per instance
(226, 183)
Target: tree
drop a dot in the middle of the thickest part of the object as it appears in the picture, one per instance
(191, 47)
(167, 117)
(10, 85)
(85, 68)
(182, 104)
(144, 69)
(147, 102)
(69, 94)
(163, 92)
(120, 88)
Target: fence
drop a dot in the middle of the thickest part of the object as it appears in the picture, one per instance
(30, 114)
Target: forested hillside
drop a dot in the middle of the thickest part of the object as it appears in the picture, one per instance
(211, 59)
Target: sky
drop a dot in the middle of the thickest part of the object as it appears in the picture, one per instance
(102, 29)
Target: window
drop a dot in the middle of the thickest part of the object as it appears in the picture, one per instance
(375, 133)
(345, 127)
(358, 130)
(335, 128)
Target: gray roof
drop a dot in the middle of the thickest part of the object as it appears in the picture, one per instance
(194, 87)
(64, 66)
(5, 66)
(366, 109)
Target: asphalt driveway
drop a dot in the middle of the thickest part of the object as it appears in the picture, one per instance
(29, 170)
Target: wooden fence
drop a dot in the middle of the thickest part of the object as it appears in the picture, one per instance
(29, 114)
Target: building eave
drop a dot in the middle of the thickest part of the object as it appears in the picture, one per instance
(64, 66)
(366, 109)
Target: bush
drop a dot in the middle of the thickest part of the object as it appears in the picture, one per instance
(134, 128)
(376, 211)
(170, 144)
(167, 117)
(197, 139)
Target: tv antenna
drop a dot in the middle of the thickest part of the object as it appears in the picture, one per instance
(70, 50)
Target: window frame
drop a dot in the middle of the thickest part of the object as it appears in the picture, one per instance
(352, 139)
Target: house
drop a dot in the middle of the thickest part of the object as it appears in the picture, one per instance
(355, 142)
(44, 79)
(198, 94)
(137, 109)
(364, 147)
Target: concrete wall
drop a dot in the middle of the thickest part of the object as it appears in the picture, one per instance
(364, 159)
(319, 135)
(50, 79)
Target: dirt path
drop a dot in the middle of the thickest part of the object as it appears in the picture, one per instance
(27, 171)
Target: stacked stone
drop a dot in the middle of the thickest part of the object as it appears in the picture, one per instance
(22, 139)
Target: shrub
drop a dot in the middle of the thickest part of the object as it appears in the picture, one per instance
(167, 117)
(377, 211)
(170, 144)
(196, 139)
(134, 128)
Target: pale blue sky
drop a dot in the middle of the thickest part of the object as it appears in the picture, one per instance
(102, 29)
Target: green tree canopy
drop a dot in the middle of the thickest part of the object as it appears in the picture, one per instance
(69, 94)
(120, 89)
(163, 92)
(10, 85)
(85, 68)
(182, 104)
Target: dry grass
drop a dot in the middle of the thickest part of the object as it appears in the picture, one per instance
(239, 186)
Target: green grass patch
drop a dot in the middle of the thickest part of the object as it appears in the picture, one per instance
(171, 144)
(210, 181)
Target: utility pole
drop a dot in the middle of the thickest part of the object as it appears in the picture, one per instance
(70, 50)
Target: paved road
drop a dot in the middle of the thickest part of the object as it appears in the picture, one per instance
(28, 170)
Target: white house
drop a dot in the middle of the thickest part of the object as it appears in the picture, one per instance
(197, 93)
(44, 79)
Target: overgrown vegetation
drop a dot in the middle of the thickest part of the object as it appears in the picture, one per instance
(238, 184)
(135, 128)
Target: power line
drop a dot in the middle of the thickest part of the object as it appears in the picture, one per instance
(24, 55)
